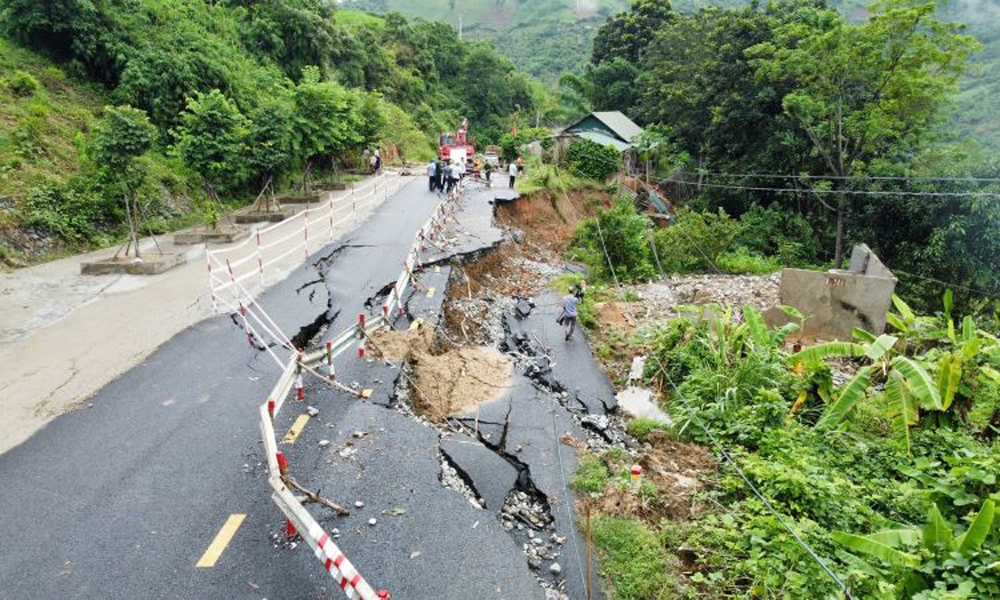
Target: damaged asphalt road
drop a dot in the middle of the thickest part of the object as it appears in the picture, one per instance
(121, 499)
(508, 523)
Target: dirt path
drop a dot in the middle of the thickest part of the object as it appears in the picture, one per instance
(64, 336)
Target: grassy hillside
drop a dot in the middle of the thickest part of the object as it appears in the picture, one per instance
(41, 113)
(285, 88)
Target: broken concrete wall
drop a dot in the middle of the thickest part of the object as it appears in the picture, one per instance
(835, 302)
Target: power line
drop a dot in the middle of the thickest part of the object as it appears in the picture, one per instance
(844, 177)
(725, 454)
(846, 192)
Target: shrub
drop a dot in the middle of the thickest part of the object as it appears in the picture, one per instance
(641, 427)
(591, 476)
(632, 557)
(695, 240)
(773, 231)
(22, 84)
(745, 262)
(592, 160)
(618, 236)
(75, 212)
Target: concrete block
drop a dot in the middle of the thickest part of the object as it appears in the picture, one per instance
(210, 236)
(834, 302)
(261, 217)
(150, 264)
(313, 198)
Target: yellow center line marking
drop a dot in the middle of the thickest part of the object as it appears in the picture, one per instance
(437, 269)
(222, 539)
(296, 429)
(430, 292)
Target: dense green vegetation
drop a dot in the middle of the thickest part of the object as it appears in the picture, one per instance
(890, 476)
(241, 95)
(791, 96)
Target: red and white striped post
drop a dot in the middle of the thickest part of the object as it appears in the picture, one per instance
(329, 361)
(270, 408)
(361, 334)
(300, 387)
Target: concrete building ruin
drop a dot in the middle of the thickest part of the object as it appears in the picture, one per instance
(836, 301)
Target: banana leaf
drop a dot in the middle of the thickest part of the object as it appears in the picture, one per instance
(974, 537)
(826, 350)
(937, 530)
(758, 328)
(849, 396)
(880, 346)
(904, 309)
(918, 382)
(863, 336)
(878, 549)
(949, 377)
(903, 411)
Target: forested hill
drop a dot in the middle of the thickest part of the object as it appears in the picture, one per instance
(284, 88)
(543, 37)
(547, 38)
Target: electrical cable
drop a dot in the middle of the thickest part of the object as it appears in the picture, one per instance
(725, 454)
(843, 177)
(846, 192)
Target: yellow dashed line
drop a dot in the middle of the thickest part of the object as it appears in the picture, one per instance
(222, 539)
(430, 292)
(296, 429)
(437, 269)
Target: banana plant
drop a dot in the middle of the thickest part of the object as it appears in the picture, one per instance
(916, 551)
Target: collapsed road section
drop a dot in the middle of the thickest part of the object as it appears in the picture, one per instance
(451, 455)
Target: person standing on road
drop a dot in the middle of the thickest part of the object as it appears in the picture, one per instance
(451, 171)
(432, 175)
(512, 171)
(569, 305)
(378, 160)
(440, 175)
(520, 165)
(487, 169)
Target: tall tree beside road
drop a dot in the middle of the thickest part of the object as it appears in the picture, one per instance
(211, 142)
(119, 140)
(864, 93)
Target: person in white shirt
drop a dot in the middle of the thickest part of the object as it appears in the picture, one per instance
(512, 170)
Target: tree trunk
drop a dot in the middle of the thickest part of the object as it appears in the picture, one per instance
(841, 209)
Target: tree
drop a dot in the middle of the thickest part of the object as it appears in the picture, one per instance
(864, 93)
(118, 141)
(211, 142)
(626, 35)
(270, 141)
(324, 120)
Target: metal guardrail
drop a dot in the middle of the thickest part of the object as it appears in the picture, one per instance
(305, 231)
(326, 551)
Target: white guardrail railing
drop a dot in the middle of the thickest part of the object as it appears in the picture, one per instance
(255, 320)
(269, 249)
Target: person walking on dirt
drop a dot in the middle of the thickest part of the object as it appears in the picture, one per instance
(512, 171)
(432, 175)
(569, 304)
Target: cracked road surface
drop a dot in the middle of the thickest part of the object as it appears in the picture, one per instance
(122, 499)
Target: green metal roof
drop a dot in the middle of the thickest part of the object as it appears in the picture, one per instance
(604, 140)
(614, 122)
